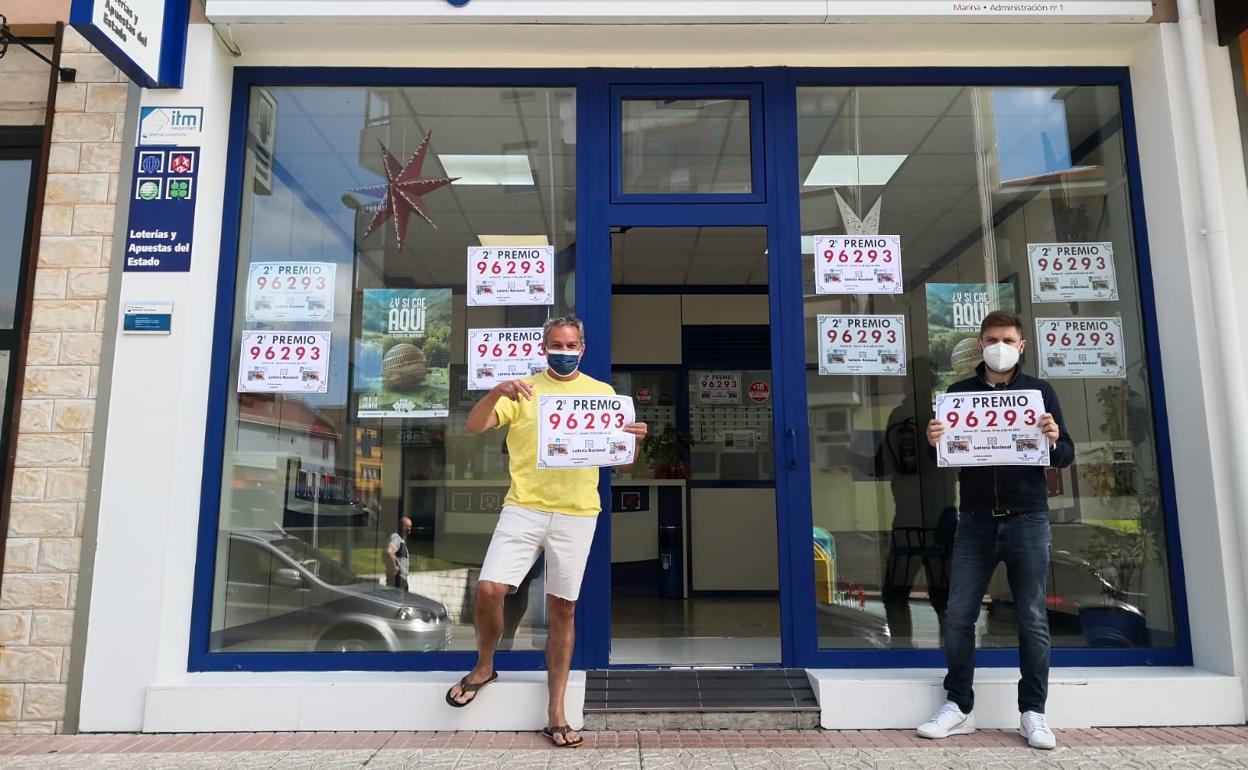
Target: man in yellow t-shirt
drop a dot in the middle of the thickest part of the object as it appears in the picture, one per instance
(550, 510)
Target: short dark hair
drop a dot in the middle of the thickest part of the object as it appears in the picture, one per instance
(998, 319)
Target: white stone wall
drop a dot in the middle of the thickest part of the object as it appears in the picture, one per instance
(54, 443)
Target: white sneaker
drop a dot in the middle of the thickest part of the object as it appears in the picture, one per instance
(948, 720)
(1035, 728)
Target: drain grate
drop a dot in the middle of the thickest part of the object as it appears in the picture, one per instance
(769, 689)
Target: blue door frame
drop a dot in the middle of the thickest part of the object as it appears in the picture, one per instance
(601, 206)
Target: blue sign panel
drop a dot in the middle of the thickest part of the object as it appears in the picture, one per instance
(147, 318)
(162, 210)
(146, 39)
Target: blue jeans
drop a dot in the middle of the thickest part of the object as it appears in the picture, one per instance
(1023, 542)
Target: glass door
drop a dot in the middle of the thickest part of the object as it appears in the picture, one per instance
(694, 558)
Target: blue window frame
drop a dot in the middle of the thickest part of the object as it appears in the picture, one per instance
(752, 94)
(773, 203)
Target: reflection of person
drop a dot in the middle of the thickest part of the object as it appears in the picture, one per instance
(1003, 517)
(922, 531)
(553, 511)
(395, 555)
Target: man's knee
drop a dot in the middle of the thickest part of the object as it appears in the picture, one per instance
(561, 607)
(489, 591)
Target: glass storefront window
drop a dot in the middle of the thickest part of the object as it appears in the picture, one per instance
(973, 180)
(316, 485)
(686, 146)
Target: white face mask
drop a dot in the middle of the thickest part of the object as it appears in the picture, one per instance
(1001, 357)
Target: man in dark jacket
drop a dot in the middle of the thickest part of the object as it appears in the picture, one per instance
(1003, 516)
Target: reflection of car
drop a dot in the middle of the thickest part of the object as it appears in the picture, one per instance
(1074, 585)
(282, 594)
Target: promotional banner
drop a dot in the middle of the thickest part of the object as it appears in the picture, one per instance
(584, 431)
(161, 227)
(291, 291)
(284, 362)
(498, 355)
(719, 388)
(990, 428)
(1068, 272)
(954, 312)
(511, 276)
(402, 361)
(1080, 347)
(858, 264)
(862, 344)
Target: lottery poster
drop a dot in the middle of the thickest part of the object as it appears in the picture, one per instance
(987, 428)
(499, 355)
(584, 431)
(858, 264)
(291, 291)
(1069, 272)
(284, 362)
(511, 276)
(718, 388)
(403, 356)
(862, 344)
(954, 312)
(1080, 347)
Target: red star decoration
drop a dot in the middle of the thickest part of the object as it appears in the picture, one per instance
(402, 192)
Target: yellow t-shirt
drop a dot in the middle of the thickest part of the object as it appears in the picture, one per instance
(570, 491)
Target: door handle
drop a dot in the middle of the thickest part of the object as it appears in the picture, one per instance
(790, 438)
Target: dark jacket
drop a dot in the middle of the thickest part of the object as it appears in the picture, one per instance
(1013, 487)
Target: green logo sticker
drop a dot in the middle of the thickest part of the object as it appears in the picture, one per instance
(149, 190)
(179, 189)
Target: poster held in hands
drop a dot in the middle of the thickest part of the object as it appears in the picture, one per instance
(991, 428)
(584, 431)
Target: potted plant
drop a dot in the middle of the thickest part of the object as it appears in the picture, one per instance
(1118, 555)
(665, 452)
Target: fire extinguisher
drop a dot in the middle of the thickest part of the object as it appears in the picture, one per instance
(906, 448)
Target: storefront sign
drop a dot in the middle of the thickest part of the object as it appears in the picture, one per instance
(146, 39)
(858, 264)
(686, 11)
(402, 362)
(147, 317)
(584, 431)
(162, 210)
(291, 291)
(284, 362)
(498, 355)
(511, 276)
(862, 344)
(1081, 347)
(1068, 272)
(719, 388)
(991, 429)
(985, 10)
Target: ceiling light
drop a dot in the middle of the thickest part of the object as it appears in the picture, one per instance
(512, 170)
(497, 241)
(853, 170)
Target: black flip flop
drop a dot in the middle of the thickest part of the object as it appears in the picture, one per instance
(563, 730)
(467, 689)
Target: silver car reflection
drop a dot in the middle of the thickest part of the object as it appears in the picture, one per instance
(281, 594)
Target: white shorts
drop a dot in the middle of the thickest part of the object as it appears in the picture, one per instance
(522, 533)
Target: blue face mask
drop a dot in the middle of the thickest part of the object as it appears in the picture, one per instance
(563, 364)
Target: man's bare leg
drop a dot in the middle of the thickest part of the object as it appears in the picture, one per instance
(559, 640)
(487, 615)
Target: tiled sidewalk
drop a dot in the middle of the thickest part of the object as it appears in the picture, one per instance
(1207, 747)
